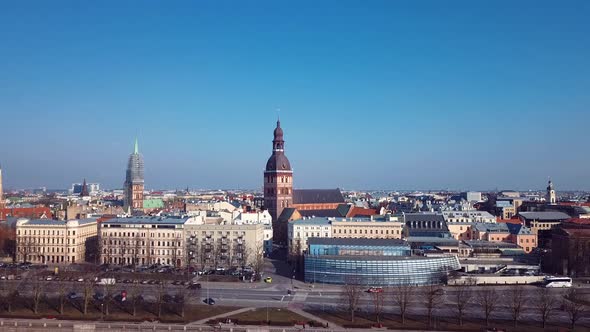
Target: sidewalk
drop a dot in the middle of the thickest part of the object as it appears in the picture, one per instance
(227, 314)
(316, 318)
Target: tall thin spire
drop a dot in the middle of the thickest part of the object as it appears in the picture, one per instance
(136, 150)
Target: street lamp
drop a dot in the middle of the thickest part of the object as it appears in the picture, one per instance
(101, 311)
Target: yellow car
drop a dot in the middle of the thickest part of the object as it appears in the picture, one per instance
(268, 280)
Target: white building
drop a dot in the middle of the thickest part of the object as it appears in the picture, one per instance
(468, 216)
(250, 218)
(300, 230)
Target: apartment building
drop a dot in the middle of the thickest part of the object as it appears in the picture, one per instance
(376, 227)
(46, 241)
(223, 245)
(144, 240)
(179, 241)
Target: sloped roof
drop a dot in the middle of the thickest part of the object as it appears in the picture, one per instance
(357, 211)
(311, 196)
(424, 217)
(286, 214)
(546, 215)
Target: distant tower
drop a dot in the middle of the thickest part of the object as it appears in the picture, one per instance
(550, 198)
(1, 195)
(84, 192)
(278, 177)
(134, 181)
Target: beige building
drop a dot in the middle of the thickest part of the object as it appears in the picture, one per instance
(178, 241)
(224, 246)
(143, 240)
(388, 227)
(47, 241)
(381, 227)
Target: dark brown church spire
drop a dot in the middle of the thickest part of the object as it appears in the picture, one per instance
(84, 192)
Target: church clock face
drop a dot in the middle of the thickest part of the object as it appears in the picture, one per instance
(284, 166)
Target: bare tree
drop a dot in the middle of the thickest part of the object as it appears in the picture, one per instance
(463, 297)
(377, 299)
(134, 297)
(351, 294)
(109, 292)
(161, 291)
(402, 296)
(88, 288)
(488, 300)
(11, 289)
(516, 303)
(257, 259)
(181, 298)
(573, 306)
(432, 296)
(38, 290)
(62, 289)
(545, 304)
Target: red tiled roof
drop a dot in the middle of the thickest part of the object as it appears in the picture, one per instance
(510, 221)
(579, 221)
(359, 211)
(574, 203)
(105, 217)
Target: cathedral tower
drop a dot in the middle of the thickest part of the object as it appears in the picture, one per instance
(278, 177)
(134, 181)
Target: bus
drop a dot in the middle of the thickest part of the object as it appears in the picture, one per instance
(558, 282)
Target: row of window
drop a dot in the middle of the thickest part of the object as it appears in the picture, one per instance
(39, 249)
(283, 179)
(44, 232)
(32, 240)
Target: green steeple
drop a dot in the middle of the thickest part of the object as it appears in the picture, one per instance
(136, 151)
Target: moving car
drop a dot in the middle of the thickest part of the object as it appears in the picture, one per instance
(375, 290)
(210, 301)
(268, 280)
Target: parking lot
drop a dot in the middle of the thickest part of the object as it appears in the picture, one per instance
(147, 275)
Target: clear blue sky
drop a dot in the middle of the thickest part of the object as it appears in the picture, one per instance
(373, 94)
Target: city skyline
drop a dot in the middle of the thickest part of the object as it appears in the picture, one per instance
(472, 96)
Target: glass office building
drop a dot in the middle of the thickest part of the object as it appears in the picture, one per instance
(378, 266)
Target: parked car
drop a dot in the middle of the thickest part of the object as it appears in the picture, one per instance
(99, 296)
(49, 278)
(80, 279)
(210, 301)
(73, 295)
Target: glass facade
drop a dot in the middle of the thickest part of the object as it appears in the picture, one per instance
(356, 250)
(378, 270)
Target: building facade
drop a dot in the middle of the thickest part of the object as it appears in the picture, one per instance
(570, 249)
(134, 181)
(225, 246)
(143, 241)
(377, 262)
(278, 177)
(387, 227)
(45, 241)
